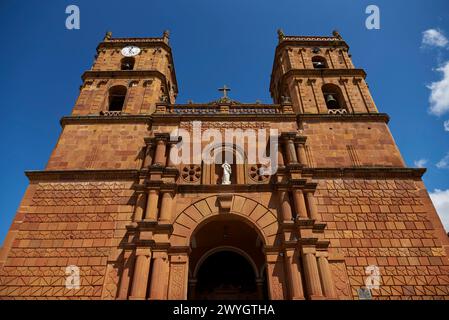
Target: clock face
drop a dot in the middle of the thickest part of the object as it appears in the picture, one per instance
(130, 51)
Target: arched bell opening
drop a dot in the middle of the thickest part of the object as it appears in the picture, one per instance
(319, 62)
(333, 97)
(116, 98)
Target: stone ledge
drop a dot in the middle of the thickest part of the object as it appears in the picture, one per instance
(128, 118)
(365, 172)
(224, 117)
(122, 74)
(80, 175)
(105, 119)
(132, 174)
(379, 117)
(325, 73)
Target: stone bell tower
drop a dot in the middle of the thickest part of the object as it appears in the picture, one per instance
(304, 65)
(128, 75)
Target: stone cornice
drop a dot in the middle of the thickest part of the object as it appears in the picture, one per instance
(365, 172)
(322, 73)
(311, 41)
(316, 173)
(174, 118)
(177, 118)
(105, 119)
(140, 42)
(369, 117)
(122, 74)
(81, 175)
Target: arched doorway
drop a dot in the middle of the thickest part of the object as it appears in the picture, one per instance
(226, 262)
(226, 275)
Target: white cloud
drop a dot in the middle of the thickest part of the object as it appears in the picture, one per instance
(439, 92)
(434, 38)
(420, 163)
(440, 199)
(446, 125)
(443, 163)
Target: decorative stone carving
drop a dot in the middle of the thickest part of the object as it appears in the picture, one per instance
(256, 173)
(191, 173)
(226, 125)
(226, 173)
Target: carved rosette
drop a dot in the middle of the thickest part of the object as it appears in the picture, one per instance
(191, 173)
(256, 173)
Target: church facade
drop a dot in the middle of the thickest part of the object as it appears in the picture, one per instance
(119, 213)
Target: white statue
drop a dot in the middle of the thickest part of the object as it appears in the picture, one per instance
(226, 173)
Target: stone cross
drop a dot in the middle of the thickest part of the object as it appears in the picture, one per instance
(225, 90)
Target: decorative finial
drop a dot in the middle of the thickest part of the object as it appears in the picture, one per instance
(281, 34)
(107, 36)
(286, 100)
(163, 98)
(336, 34)
(166, 34)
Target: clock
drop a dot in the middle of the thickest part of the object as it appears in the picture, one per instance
(130, 51)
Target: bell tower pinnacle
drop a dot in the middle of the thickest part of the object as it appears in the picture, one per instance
(318, 75)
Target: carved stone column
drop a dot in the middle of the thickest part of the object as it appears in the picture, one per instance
(290, 150)
(141, 272)
(313, 210)
(284, 199)
(301, 151)
(312, 277)
(179, 285)
(326, 277)
(296, 291)
(166, 206)
(259, 284)
(274, 276)
(300, 204)
(148, 158)
(159, 276)
(280, 156)
(151, 210)
(125, 280)
(161, 149)
(140, 206)
(171, 163)
(192, 289)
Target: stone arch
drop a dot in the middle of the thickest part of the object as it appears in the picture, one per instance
(250, 211)
(226, 248)
(319, 62)
(330, 89)
(238, 150)
(238, 163)
(115, 83)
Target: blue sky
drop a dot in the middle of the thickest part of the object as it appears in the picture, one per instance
(218, 42)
